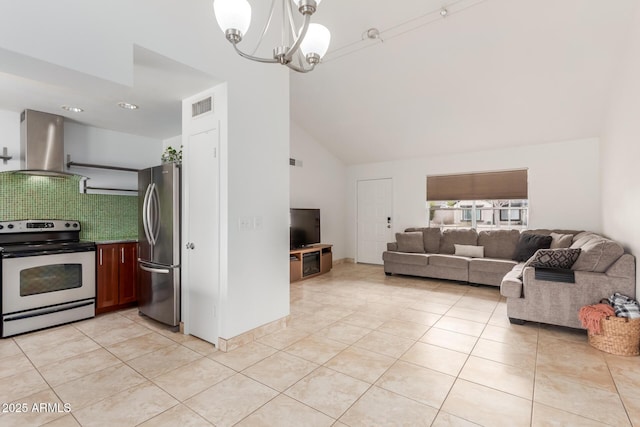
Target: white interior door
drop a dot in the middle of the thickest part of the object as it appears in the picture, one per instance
(375, 216)
(202, 235)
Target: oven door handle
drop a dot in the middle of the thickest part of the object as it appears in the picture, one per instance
(155, 270)
(51, 310)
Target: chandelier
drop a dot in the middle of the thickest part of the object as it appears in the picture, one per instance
(310, 41)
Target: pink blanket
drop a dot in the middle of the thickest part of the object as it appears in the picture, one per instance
(590, 316)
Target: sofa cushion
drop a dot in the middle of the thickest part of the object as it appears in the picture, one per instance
(563, 258)
(392, 246)
(538, 231)
(559, 241)
(528, 244)
(450, 261)
(459, 236)
(469, 251)
(405, 258)
(432, 239)
(491, 265)
(498, 243)
(580, 239)
(410, 242)
(598, 255)
(565, 231)
(581, 234)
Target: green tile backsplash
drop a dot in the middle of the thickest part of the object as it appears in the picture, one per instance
(102, 217)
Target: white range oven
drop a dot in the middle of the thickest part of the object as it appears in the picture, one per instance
(47, 275)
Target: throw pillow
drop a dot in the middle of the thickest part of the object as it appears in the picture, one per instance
(529, 244)
(410, 242)
(559, 241)
(469, 251)
(563, 258)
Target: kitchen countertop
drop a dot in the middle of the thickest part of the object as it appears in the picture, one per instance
(123, 240)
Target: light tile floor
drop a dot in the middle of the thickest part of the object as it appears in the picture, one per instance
(362, 349)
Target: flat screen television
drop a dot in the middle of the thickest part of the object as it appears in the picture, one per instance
(304, 227)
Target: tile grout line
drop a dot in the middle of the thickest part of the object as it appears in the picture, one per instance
(457, 377)
(399, 294)
(626, 410)
(45, 381)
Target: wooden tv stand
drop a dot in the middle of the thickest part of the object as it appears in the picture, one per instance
(309, 261)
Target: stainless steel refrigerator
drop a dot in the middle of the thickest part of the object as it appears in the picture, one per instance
(159, 243)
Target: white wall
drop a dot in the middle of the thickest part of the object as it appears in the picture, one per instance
(10, 138)
(88, 144)
(174, 141)
(621, 153)
(258, 174)
(319, 183)
(258, 124)
(564, 183)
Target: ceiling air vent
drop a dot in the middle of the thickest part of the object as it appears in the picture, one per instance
(201, 107)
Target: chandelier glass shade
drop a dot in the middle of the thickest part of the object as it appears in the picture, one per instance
(309, 42)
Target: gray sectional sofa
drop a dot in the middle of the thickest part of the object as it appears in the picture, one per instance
(598, 267)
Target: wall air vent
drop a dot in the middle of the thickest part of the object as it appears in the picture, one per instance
(202, 107)
(295, 162)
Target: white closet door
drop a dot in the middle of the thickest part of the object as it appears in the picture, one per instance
(202, 235)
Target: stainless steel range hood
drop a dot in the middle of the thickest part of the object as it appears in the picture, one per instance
(42, 144)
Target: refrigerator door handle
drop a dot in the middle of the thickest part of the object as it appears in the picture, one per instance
(155, 226)
(149, 216)
(150, 264)
(145, 215)
(155, 270)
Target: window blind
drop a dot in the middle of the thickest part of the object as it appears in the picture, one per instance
(478, 186)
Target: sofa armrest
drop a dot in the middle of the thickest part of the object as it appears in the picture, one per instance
(511, 285)
(393, 246)
(625, 266)
(558, 303)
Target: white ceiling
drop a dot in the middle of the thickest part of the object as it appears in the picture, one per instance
(493, 73)
(27, 83)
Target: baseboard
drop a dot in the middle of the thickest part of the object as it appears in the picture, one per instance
(344, 261)
(229, 344)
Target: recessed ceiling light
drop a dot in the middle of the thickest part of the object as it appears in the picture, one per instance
(127, 106)
(444, 12)
(72, 109)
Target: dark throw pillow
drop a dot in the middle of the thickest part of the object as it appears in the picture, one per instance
(554, 258)
(529, 244)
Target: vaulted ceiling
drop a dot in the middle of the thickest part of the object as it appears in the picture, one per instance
(491, 74)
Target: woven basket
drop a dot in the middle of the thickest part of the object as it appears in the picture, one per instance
(620, 336)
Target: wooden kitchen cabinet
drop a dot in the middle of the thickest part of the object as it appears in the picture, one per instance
(117, 274)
